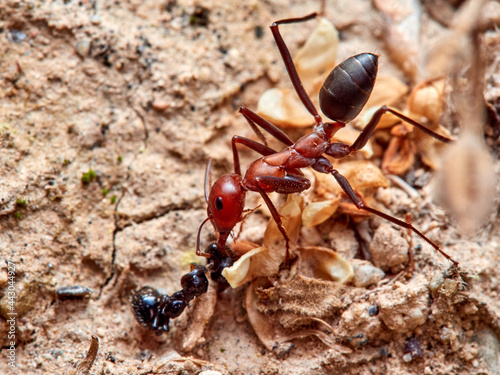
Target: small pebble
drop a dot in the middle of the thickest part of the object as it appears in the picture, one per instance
(161, 105)
(95, 19)
(83, 47)
(366, 274)
(16, 36)
(388, 248)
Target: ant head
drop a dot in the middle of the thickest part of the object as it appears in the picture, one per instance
(226, 202)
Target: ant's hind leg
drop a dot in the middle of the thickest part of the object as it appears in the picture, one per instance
(372, 124)
(290, 67)
(351, 194)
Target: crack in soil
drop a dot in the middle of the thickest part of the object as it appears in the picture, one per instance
(117, 228)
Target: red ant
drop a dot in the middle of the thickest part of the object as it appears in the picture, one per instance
(342, 97)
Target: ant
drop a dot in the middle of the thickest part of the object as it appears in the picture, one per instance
(342, 97)
(154, 310)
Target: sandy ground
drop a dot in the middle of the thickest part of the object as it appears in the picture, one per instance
(135, 97)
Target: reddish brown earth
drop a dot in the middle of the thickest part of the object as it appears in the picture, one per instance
(141, 94)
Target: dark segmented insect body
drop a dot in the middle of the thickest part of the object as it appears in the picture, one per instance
(348, 87)
(154, 310)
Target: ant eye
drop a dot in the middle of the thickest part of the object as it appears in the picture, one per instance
(218, 204)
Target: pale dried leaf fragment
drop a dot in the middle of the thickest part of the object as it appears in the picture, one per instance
(323, 263)
(426, 100)
(282, 107)
(317, 212)
(266, 260)
(238, 274)
(364, 177)
(386, 121)
(388, 90)
(318, 56)
(203, 310)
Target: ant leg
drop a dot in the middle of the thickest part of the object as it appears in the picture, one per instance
(277, 219)
(198, 238)
(208, 183)
(261, 149)
(289, 184)
(411, 260)
(370, 127)
(290, 67)
(351, 194)
(254, 119)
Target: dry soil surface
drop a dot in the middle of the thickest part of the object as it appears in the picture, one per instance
(109, 113)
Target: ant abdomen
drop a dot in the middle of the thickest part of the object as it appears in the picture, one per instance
(348, 87)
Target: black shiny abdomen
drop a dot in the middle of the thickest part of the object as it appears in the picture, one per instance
(154, 310)
(348, 87)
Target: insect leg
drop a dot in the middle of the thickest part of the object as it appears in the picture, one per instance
(370, 127)
(290, 67)
(254, 119)
(351, 194)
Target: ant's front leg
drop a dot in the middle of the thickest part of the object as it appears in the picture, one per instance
(255, 120)
(252, 145)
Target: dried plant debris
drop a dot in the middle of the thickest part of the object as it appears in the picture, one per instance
(300, 317)
(83, 368)
(203, 309)
(323, 264)
(266, 260)
(308, 288)
(466, 179)
(364, 177)
(425, 104)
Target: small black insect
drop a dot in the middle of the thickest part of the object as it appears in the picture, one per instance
(154, 310)
(73, 292)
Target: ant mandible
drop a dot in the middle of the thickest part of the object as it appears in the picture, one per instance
(342, 97)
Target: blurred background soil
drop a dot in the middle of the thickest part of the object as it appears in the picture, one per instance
(109, 113)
